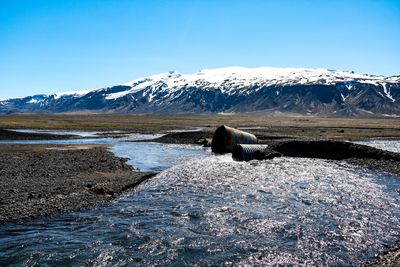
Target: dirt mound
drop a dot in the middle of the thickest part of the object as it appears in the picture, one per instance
(328, 149)
(184, 137)
(40, 180)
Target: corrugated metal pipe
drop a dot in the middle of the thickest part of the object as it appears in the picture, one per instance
(249, 152)
(225, 138)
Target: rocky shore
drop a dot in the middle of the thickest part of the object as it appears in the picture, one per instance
(38, 180)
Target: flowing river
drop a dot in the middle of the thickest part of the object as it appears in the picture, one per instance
(203, 209)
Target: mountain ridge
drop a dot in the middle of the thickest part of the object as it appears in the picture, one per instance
(305, 91)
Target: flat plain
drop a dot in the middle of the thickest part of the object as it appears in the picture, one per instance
(274, 127)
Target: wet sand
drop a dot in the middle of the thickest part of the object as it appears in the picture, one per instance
(37, 180)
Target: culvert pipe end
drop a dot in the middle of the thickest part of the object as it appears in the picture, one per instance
(247, 152)
(225, 138)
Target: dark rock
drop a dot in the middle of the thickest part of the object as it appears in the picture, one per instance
(204, 142)
(102, 189)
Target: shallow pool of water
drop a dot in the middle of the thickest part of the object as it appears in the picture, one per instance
(156, 157)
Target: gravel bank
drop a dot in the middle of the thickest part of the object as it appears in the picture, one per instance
(38, 180)
(13, 135)
(183, 137)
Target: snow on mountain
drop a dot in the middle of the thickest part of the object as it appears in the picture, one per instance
(73, 93)
(33, 101)
(232, 78)
(143, 83)
(387, 92)
(231, 89)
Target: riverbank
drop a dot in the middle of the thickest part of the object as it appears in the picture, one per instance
(37, 180)
(269, 127)
(15, 135)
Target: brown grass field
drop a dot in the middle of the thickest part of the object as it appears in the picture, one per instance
(335, 128)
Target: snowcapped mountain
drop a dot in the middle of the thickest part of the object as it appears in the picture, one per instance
(233, 89)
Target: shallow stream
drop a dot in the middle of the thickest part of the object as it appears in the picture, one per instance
(210, 210)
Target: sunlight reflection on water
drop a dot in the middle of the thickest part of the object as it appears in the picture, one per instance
(211, 210)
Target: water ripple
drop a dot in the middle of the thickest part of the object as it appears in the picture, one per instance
(215, 211)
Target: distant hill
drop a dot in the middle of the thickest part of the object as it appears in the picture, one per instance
(262, 90)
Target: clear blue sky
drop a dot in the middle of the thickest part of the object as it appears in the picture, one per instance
(53, 46)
